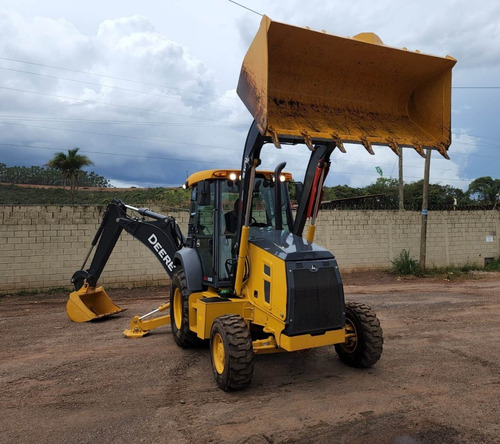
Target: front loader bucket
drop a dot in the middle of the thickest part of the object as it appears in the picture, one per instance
(90, 303)
(311, 85)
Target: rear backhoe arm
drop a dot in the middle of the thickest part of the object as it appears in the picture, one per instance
(162, 236)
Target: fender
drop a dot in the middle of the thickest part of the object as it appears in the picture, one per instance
(189, 260)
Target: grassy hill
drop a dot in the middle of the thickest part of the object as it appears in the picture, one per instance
(32, 195)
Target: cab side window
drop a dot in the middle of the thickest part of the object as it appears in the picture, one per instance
(203, 225)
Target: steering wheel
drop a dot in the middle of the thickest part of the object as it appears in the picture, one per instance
(254, 223)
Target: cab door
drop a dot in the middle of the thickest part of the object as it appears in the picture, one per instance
(203, 208)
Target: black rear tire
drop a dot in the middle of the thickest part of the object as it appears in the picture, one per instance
(179, 312)
(364, 345)
(231, 352)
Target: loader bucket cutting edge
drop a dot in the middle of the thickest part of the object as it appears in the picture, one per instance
(88, 304)
(307, 84)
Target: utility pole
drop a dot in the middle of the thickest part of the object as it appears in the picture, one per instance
(425, 204)
(401, 184)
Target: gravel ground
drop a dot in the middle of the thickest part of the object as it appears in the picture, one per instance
(438, 380)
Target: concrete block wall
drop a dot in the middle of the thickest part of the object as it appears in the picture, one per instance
(371, 239)
(41, 246)
(367, 239)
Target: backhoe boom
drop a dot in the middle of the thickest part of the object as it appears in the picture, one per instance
(161, 235)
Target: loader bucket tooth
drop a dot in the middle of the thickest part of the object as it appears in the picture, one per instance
(88, 304)
(300, 81)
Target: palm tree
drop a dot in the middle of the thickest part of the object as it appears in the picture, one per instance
(70, 165)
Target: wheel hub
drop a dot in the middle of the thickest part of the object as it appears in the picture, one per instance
(218, 353)
(351, 342)
(177, 302)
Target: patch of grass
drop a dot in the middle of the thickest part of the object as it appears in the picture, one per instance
(405, 265)
(29, 292)
(493, 265)
(452, 272)
(455, 272)
(34, 292)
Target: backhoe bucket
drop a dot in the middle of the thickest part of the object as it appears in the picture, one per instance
(90, 303)
(310, 85)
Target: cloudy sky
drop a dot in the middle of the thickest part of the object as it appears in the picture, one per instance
(146, 89)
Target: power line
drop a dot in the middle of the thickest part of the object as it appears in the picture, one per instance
(483, 144)
(349, 173)
(121, 122)
(159, 140)
(475, 87)
(105, 103)
(487, 145)
(118, 87)
(155, 84)
(108, 77)
(120, 135)
(112, 154)
(245, 7)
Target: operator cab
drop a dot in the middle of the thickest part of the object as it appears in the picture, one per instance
(215, 217)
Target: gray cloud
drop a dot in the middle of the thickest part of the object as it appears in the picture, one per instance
(137, 131)
(153, 111)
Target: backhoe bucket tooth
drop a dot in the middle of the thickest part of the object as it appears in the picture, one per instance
(88, 304)
(297, 81)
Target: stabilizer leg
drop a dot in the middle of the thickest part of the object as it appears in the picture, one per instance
(140, 327)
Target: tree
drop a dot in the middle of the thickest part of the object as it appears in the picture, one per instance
(440, 196)
(70, 165)
(484, 189)
(388, 187)
(341, 192)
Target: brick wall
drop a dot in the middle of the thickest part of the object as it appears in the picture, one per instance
(371, 239)
(41, 246)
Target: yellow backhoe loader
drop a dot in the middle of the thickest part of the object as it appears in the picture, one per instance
(245, 279)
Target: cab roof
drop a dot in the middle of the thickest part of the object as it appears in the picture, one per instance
(230, 174)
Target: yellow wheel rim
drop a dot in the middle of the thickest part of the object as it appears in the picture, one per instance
(177, 308)
(351, 337)
(218, 353)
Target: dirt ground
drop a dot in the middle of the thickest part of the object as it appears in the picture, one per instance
(438, 380)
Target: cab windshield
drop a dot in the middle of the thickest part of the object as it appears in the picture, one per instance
(264, 209)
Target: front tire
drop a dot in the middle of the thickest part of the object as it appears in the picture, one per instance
(179, 312)
(364, 343)
(231, 352)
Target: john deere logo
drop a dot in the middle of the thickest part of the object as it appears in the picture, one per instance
(313, 269)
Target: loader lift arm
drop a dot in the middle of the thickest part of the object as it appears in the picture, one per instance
(161, 235)
(312, 185)
(315, 174)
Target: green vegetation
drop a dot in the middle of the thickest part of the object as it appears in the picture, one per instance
(382, 194)
(452, 272)
(36, 175)
(70, 165)
(482, 191)
(405, 265)
(165, 197)
(493, 265)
